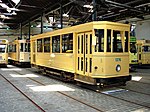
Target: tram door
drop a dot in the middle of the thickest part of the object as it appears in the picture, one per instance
(139, 51)
(34, 52)
(84, 54)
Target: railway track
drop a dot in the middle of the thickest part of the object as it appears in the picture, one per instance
(97, 92)
(33, 102)
(63, 93)
(101, 92)
(140, 82)
(134, 91)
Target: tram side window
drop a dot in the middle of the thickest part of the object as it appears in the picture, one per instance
(67, 43)
(99, 33)
(39, 45)
(117, 44)
(2, 48)
(108, 40)
(47, 44)
(56, 44)
(14, 48)
(21, 47)
(10, 48)
(27, 47)
(146, 48)
(126, 40)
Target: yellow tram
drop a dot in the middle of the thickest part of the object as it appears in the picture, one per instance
(143, 49)
(3, 52)
(19, 52)
(133, 60)
(90, 53)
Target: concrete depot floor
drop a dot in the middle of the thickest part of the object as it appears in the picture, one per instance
(49, 97)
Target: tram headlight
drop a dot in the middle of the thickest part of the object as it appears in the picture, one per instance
(118, 68)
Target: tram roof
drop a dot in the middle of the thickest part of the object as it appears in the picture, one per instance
(84, 27)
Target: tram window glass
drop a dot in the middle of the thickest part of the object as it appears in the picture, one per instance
(27, 47)
(117, 44)
(47, 44)
(108, 40)
(39, 45)
(21, 47)
(56, 44)
(78, 44)
(14, 48)
(146, 48)
(82, 44)
(10, 48)
(86, 43)
(133, 47)
(67, 43)
(99, 33)
(90, 43)
(126, 40)
(2, 48)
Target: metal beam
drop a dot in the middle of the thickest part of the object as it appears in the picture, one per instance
(61, 16)
(94, 15)
(41, 23)
(125, 6)
(29, 30)
(44, 10)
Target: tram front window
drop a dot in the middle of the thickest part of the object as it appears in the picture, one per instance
(99, 33)
(117, 41)
(2, 48)
(133, 48)
(146, 48)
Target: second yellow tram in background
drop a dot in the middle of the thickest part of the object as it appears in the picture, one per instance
(143, 51)
(95, 53)
(19, 52)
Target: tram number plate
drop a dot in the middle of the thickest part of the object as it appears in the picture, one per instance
(117, 59)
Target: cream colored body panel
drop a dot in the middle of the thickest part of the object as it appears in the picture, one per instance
(13, 56)
(24, 57)
(58, 61)
(4, 58)
(107, 63)
(145, 58)
(4, 55)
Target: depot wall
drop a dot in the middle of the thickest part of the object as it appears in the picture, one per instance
(142, 30)
(13, 34)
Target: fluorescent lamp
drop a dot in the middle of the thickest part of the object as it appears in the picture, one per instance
(65, 15)
(16, 1)
(38, 26)
(5, 6)
(14, 13)
(1, 23)
(88, 6)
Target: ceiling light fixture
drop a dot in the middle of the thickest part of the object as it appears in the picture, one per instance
(4, 17)
(65, 15)
(1, 23)
(14, 13)
(88, 6)
(5, 6)
(16, 1)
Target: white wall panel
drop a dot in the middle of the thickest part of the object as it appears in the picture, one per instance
(142, 30)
